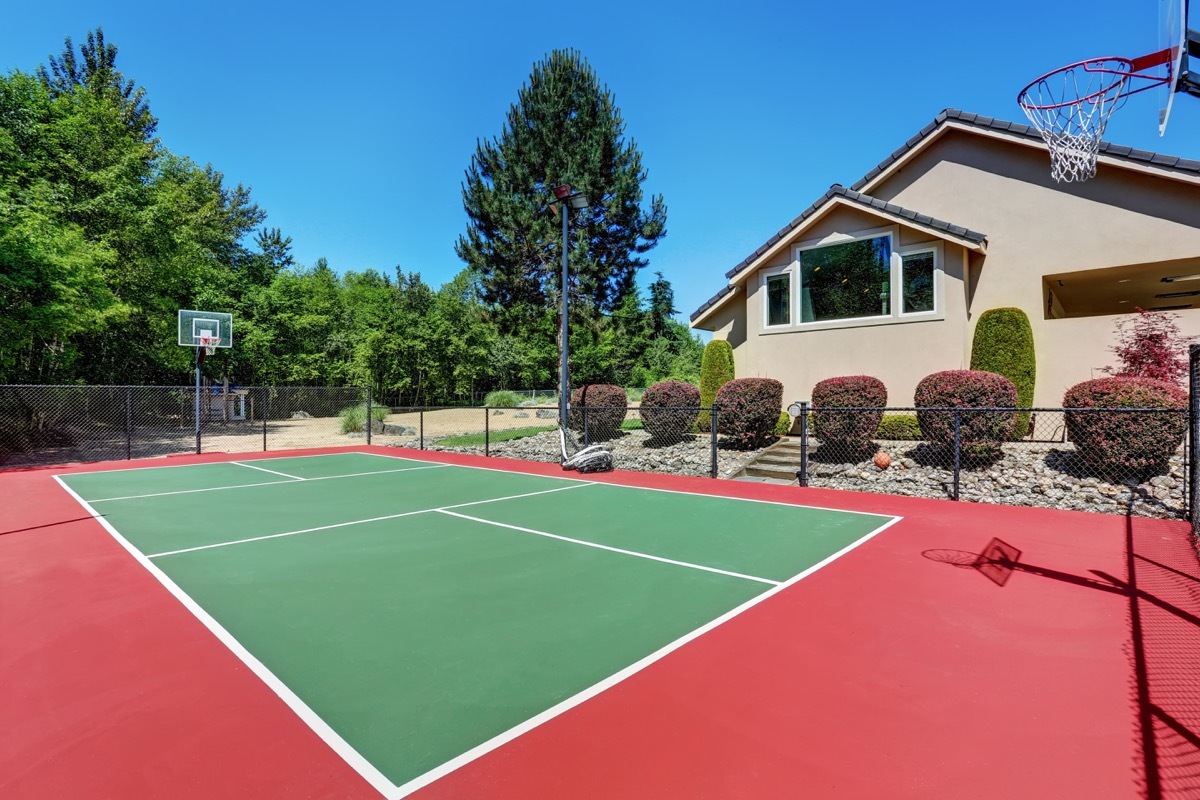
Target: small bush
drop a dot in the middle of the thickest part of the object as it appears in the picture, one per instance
(1003, 344)
(1126, 442)
(609, 403)
(981, 432)
(749, 410)
(501, 399)
(716, 369)
(354, 418)
(784, 426)
(848, 430)
(669, 410)
(899, 428)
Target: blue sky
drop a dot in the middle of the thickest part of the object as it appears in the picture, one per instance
(353, 122)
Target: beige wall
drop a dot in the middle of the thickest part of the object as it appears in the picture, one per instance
(1034, 228)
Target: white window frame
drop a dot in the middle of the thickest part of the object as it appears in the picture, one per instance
(896, 314)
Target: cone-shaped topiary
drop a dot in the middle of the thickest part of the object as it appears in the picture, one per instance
(1134, 442)
(848, 431)
(1003, 344)
(669, 410)
(606, 410)
(716, 369)
(980, 432)
(748, 410)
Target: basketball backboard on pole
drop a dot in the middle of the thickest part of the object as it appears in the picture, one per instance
(1172, 36)
(205, 328)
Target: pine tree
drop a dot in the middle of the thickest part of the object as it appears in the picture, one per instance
(565, 128)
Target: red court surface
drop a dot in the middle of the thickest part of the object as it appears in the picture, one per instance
(889, 673)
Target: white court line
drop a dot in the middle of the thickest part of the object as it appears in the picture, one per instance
(634, 553)
(612, 680)
(357, 522)
(429, 465)
(264, 469)
(321, 728)
(268, 457)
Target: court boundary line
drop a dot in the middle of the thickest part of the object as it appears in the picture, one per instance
(646, 488)
(270, 456)
(215, 545)
(264, 469)
(428, 465)
(423, 780)
(355, 760)
(609, 548)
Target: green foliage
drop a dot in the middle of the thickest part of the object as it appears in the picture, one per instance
(501, 399)
(1003, 344)
(784, 426)
(354, 418)
(494, 437)
(716, 369)
(899, 427)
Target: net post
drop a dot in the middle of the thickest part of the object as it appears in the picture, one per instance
(957, 450)
(1193, 475)
(802, 475)
(266, 408)
(487, 431)
(713, 437)
(370, 418)
(128, 423)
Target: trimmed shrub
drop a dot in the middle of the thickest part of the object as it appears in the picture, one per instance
(669, 410)
(716, 369)
(1126, 442)
(609, 404)
(981, 432)
(501, 398)
(748, 410)
(784, 426)
(848, 430)
(1003, 344)
(899, 428)
(354, 418)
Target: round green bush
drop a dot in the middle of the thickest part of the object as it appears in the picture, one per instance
(1132, 442)
(848, 430)
(981, 432)
(606, 410)
(899, 428)
(669, 410)
(784, 426)
(716, 369)
(501, 398)
(748, 410)
(1003, 344)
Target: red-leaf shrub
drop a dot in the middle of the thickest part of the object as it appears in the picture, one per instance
(1150, 345)
(1126, 441)
(669, 410)
(848, 430)
(748, 409)
(606, 410)
(980, 432)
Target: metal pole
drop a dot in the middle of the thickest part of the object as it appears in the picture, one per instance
(197, 400)
(802, 475)
(266, 409)
(422, 424)
(128, 422)
(563, 388)
(957, 449)
(713, 436)
(487, 431)
(370, 420)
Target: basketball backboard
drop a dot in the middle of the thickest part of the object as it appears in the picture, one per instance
(195, 327)
(1172, 36)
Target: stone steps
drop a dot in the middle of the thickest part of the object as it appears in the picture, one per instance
(779, 462)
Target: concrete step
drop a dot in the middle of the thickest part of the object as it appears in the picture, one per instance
(760, 470)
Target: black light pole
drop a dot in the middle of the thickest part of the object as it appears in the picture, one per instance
(567, 198)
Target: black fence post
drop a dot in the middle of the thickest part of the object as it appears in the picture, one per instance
(1193, 475)
(713, 414)
(421, 422)
(487, 432)
(370, 416)
(957, 450)
(802, 475)
(266, 409)
(128, 422)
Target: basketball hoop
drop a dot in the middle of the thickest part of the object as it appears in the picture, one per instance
(209, 343)
(1070, 107)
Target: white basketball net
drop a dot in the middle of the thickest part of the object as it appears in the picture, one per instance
(1070, 108)
(209, 343)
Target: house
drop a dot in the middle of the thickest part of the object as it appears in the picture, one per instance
(888, 277)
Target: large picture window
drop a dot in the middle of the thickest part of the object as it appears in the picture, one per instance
(847, 280)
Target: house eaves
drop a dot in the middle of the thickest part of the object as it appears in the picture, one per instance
(836, 195)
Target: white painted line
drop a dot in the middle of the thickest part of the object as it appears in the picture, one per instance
(587, 694)
(266, 483)
(622, 551)
(264, 469)
(339, 745)
(352, 522)
(269, 457)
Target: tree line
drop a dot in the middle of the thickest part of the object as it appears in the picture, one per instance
(105, 233)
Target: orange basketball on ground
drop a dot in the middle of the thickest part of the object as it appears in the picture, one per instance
(882, 460)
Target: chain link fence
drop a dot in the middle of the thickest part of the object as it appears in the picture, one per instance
(1114, 460)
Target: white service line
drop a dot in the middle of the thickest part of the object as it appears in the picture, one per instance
(264, 469)
(611, 681)
(634, 553)
(268, 483)
(321, 728)
(356, 522)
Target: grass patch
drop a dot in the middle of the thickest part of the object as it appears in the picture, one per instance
(477, 439)
(354, 418)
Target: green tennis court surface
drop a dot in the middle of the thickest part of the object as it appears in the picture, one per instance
(412, 612)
